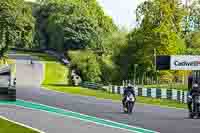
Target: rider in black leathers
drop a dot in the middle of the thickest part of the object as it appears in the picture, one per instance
(127, 90)
(194, 90)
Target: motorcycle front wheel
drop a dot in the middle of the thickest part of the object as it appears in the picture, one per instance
(130, 107)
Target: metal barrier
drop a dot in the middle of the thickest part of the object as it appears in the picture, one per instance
(170, 94)
(91, 85)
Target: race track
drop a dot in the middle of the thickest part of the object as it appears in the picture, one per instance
(50, 123)
(164, 120)
(30, 76)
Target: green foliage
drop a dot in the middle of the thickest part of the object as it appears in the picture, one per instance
(192, 21)
(59, 72)
(87, 63)
(166, 77)
(161, 19)
(192, 51)
(71, 24)
(138, 51)
(159, 29)
(16, 24)
(65, 25)
(193, 40)
(82, 32)
(113, 42)
(109, 71)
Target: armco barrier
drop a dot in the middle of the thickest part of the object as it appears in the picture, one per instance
(171, 94)
(92, 85)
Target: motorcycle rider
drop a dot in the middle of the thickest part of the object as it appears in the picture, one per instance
(194, 90)
(127, 90)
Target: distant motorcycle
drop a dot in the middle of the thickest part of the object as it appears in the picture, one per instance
(129, 103)
(196, 106)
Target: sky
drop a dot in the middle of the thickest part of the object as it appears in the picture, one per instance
(122, 11)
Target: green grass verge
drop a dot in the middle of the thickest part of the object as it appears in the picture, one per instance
(168, 86)
(9, 127)
(55, 74)
(106, 95)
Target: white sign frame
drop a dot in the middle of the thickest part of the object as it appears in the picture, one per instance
(185, 62)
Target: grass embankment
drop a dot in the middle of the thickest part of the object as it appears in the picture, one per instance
(9, 127)
(55, 74)
(168, 86)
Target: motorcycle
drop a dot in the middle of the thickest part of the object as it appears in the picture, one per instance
(196, 107)
(129, 103)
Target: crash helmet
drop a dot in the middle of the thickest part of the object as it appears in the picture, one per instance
(129, 85)
(195, 84)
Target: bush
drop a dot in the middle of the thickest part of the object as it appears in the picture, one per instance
(166, 77)
(86, 61)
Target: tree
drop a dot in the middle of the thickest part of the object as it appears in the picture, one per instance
(193, 18)
(16, 24)
(71, 24)
(193, 40)
(87, 63)
(113, 42)
(161, 21)
(159, 28)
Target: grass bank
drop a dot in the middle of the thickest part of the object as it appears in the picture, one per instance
(9, 127)
(105, 95)
(55, 74)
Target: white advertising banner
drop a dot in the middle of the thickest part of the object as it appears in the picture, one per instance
(184, 62)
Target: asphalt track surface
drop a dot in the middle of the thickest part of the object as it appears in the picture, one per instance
(50, 123)
(164, 120)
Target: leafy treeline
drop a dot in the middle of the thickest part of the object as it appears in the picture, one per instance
(71, 24)
(16, 24)
(96, 46)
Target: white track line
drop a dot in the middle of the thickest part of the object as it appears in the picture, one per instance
(34, 129)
